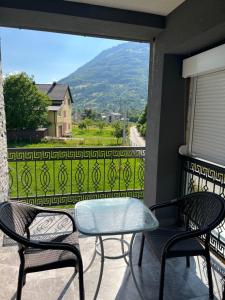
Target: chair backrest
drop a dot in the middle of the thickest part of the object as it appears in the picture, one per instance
(15, 218)
(205, 210)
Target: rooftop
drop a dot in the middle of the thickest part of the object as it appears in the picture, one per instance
(54, 91)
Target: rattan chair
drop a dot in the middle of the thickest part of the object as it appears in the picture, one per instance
(40, 255)
(198, 214)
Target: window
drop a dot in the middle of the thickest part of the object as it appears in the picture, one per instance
(207, 133)
(64, 114)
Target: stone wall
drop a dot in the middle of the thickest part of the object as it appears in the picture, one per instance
(3, 147)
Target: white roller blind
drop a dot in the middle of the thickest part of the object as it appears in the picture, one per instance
(208, 131)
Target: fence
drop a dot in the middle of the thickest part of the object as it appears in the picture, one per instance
(199, 175)
(63, 176)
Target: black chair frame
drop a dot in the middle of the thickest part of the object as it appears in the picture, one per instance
(189, 233)
(24, 242)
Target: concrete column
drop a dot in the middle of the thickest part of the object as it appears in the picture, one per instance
(166, 127)
(153, 125)
(3, 147)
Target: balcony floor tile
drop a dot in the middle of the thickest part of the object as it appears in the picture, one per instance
(181, 283)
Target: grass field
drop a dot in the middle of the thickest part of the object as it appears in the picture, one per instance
(81, 138)
(93, 131)
(94, 136)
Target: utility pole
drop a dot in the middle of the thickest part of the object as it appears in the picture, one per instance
(124, 123)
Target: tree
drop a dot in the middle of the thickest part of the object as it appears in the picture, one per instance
(88, 122)
(82, 125)
(143, 117)
(89, 113)
(25, 105)
(118, 130)
(142, 122)
(134, 117)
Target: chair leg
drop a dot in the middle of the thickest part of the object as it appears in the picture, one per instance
(141, 250)
(223, 293)
(24, 279)
(188, 261)
(162, 276)
(81, 285)
(209, 271)
(21, 282)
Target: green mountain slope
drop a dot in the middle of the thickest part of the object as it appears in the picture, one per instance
(115, 79)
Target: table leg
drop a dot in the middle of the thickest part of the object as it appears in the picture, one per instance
(93, 257)
(101, 267)
(123, 251)
(131, 267)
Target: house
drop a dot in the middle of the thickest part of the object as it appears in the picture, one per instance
(111, 116)
(60, 108)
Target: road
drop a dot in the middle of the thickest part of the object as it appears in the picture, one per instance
(135, 138)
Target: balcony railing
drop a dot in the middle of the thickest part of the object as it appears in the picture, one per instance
(199, 175)
(63, 176)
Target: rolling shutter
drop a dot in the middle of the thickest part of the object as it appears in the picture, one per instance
(208, 128)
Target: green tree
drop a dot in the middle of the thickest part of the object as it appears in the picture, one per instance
(90, 114)
(143, 117)
(88, 122)
(118, 130)
(142, 122)
(82, 125)
(25, 105)
(134, 117)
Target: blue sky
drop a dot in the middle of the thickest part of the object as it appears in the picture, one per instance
(48, 56)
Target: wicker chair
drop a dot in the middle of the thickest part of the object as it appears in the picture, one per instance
(199, 213)
(37, 255)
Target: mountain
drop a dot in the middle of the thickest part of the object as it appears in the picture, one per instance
(114, 80)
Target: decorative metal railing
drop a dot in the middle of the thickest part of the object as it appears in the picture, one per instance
(199, 175)
(63, 176)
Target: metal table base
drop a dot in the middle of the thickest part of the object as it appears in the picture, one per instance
(99, 249)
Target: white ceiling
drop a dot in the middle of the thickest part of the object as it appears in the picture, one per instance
(159, 7)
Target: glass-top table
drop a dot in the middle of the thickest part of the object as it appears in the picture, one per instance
(114, 216)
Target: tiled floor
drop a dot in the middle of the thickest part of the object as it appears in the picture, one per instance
(181, 283)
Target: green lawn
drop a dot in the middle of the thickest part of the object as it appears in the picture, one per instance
(94, 136)
(81, 138)
(93, 131)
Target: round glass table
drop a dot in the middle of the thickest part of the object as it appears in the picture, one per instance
(111, 217)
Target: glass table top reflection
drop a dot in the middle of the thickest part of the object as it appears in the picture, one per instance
(112, 216)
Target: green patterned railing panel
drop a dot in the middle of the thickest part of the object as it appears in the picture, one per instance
(63, 176)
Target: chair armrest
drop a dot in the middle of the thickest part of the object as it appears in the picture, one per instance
(163, 205)
(55, 246)
(182, 236)
(55, 211)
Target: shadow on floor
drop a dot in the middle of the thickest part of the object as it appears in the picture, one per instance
(181, 283)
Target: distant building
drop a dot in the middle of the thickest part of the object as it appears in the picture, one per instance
(111, 117)
(60, 108)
